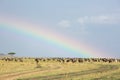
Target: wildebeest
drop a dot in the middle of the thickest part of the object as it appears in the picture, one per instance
(36, 60)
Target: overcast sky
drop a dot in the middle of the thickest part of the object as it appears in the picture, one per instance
(94, 22)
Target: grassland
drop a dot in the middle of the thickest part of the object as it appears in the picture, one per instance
(52, 70)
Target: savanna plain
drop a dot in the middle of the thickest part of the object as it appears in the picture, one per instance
(59, 69)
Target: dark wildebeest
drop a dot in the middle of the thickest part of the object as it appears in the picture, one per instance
(36, 60)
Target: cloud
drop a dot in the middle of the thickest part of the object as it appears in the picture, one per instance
(64, 23)
(101, 19)
(82, 20)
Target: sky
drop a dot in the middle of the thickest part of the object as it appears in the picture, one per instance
(93, 23)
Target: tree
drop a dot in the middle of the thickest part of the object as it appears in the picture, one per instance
(11, 53)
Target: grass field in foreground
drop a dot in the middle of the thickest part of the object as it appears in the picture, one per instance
(51, 70)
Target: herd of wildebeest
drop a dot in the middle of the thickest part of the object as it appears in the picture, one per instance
(63, 60)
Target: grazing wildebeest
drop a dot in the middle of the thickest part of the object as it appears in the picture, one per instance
(36, 60)
(20, 60)
(80, 60)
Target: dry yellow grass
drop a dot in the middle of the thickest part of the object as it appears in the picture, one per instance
(52, 70)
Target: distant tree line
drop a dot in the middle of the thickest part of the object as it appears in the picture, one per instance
(10, 53)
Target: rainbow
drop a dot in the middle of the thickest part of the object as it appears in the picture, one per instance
(54, 38)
